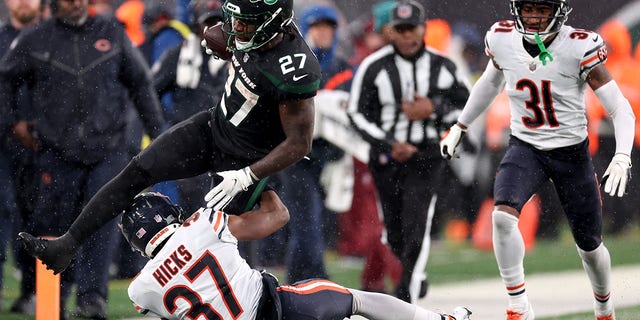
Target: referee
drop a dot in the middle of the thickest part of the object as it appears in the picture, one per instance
(402, 98)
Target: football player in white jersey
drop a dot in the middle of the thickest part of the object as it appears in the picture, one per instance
(545, 66)
(196, 272)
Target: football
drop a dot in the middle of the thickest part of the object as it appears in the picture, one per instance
(216, 41)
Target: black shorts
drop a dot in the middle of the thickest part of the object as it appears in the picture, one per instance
(185, 150)
(523, 170)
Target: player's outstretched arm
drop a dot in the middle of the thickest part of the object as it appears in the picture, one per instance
(484, 91)
(482, 95)
(616, 176)
(297, 118)
(56, 254)
(259, 223)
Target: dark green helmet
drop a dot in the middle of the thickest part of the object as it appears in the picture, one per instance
(268, 16)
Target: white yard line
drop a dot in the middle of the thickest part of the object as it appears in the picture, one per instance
(551, 294)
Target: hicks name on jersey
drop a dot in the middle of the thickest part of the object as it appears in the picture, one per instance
(172, 265)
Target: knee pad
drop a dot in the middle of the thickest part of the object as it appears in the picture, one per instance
(503, 221)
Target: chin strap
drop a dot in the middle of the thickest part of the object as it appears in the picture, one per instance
(544, 53)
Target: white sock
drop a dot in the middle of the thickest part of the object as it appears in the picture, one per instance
(378, 306)
(508, 247)
(597, 264)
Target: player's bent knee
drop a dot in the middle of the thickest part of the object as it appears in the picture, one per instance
(510, 209)
(503, 221)
(588, 243)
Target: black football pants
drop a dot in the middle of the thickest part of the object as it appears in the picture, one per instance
(407, 192)
(185, 150)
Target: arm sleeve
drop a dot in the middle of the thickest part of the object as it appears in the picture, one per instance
(619, 109)
(482, 94)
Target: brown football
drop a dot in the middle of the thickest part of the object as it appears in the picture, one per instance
(217, 41)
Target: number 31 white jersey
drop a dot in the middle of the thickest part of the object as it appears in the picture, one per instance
(547, 101)
(199, 274)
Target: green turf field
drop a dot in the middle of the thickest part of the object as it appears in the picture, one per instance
(449, 262)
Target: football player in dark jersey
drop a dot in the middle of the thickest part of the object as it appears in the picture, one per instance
(262, 124)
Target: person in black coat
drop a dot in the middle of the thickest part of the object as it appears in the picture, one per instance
(80, 72)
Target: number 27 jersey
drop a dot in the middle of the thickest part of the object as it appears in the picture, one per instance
(246, 123)
(546, 101)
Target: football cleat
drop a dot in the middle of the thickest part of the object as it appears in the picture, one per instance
(460, 313)
(527, 315)
(56, 254)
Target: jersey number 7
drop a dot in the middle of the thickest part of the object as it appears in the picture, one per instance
(533, 104)
(198, 308)
(250, 98)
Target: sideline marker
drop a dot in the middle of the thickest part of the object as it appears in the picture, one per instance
(47, 293)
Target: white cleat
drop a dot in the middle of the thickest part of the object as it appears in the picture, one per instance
(461, 313)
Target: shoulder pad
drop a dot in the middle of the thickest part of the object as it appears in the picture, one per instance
(591, 48)
(503, 26)
(498, 29)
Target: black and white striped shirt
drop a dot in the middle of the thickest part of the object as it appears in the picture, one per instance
(384, 78)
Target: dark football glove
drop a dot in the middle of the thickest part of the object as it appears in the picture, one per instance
(56, 254)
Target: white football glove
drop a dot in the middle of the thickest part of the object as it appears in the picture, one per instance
(203, 43)
(617, 175)
(450, 141)
(233, 182)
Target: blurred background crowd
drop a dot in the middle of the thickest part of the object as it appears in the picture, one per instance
(332, 196)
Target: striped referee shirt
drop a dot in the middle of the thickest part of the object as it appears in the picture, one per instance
(385, 78)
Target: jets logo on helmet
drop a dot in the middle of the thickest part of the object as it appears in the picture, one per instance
(560, 10)
(252, 24)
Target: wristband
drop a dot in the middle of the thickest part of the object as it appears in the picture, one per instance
(247, 170)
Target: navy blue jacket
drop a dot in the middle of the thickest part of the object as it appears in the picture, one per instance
(79, 79)
(7, 34)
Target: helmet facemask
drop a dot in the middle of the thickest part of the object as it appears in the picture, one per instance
(265, 26)
(559, 13)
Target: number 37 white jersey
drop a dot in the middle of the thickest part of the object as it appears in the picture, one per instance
(547, 101)
(199, 274)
